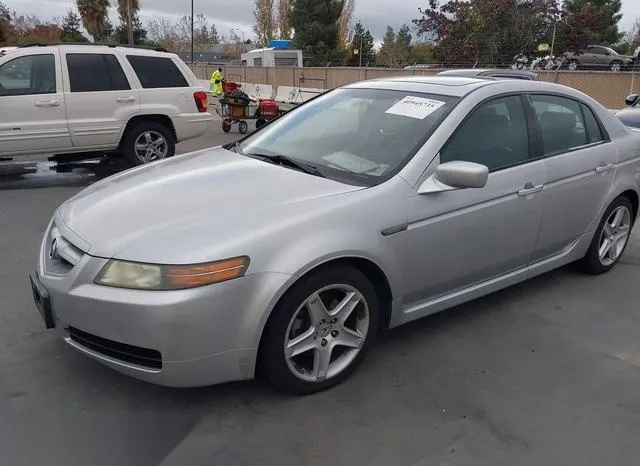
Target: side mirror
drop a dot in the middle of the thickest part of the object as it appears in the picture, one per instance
(631, 100)
(455, 175)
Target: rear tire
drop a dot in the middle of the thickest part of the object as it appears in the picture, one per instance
(339, 339)
(573, 65)
(161, 142)
(610, 239)
(616, 66)
(226, 126)
(243, 127)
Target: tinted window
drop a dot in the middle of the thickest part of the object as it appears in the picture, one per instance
(561, 125)
(494, 135)
(90, 72)
(594, 133)
(33, 74)
(157, 72)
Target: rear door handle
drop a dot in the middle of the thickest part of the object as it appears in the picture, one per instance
(125, 99)
(604, 168)
(48, 103)
(530, 189)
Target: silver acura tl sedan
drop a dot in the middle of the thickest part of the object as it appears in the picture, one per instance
(368, 207)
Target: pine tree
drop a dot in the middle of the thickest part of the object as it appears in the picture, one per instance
(363, 42)
(139, 33)
(71, 24)
(316, 26)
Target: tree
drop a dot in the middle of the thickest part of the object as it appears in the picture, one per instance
(128, 11)
(71, 24)
(421, 53)
(396, 48)
(122, 34)
(315, 23)
(284, 19)
(94, 14)
(265, 25)
(6, 28)
(605, 30)
(344, 30)
(177, 36)
(214, 38)
(363, 43)
(487, 31)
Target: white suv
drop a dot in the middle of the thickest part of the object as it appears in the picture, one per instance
(60, 99)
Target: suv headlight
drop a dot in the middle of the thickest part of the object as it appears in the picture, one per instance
(140, 276)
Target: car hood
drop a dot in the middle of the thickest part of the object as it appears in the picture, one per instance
(629, 116)
(170, 210)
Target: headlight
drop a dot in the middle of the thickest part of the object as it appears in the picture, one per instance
(139, 276)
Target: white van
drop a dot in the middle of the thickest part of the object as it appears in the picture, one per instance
(61, 99)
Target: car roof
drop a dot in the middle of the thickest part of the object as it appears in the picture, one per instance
(452, 86)
(138, 50)
(488, 72)
(458, 86)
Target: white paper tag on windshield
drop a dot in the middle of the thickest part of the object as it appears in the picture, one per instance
(415, 107)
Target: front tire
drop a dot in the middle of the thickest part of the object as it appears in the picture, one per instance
(616, 66)
(320, 331)
(573, 65)
(146, 142)
(610, 239)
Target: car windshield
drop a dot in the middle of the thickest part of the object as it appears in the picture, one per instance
(358, 136)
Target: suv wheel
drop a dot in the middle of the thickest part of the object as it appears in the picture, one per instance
(147, 142)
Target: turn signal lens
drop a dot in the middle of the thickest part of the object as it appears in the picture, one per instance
(190, 276)
(137, 276)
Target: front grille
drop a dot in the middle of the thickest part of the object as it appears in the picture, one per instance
(133, 354)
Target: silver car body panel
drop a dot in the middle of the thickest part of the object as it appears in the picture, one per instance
(436, 250)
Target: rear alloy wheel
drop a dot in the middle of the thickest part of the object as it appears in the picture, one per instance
(147, 142)
(573, 65)
(616, 66)
(610, 239)
(320, 331)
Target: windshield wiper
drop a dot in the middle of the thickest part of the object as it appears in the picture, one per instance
(284, 160)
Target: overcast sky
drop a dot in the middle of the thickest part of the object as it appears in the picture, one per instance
(238, 14)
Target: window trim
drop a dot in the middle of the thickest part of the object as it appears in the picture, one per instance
(55, 71)
(475, 109)
(606, 139)
(106, 64)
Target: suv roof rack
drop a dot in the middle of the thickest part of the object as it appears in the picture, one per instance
(47, 44)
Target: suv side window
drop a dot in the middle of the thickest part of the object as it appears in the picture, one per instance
(94, 72)
(495, 135)
(28, 75)
(157, 72)
(562, 127)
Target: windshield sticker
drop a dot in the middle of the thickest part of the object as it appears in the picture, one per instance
(350, 162)
(415, 107)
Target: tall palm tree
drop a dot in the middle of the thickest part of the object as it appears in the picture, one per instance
(94, 14)
(127, 10)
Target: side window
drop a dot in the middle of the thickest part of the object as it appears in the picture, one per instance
(561, 125)
(89, 72)
(594, 133)
(157, 72)
(28, 75)
(495, 135)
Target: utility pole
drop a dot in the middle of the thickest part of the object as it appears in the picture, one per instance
(191, 31)
(360, 51)
(129, 23)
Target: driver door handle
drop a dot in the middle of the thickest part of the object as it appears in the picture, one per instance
(530, 189)
(48, 103)
(604, 168)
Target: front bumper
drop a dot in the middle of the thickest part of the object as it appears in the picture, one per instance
(195, 337)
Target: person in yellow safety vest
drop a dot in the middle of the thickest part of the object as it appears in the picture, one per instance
(216, 82)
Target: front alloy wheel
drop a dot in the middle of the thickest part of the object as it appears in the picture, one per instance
(320, 331)
(326, 333)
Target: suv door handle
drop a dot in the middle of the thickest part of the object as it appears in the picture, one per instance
(604, 167)
(48, 103)
(125, 99)
(529, 189)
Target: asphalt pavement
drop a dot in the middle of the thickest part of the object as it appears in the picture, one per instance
(545, 373)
